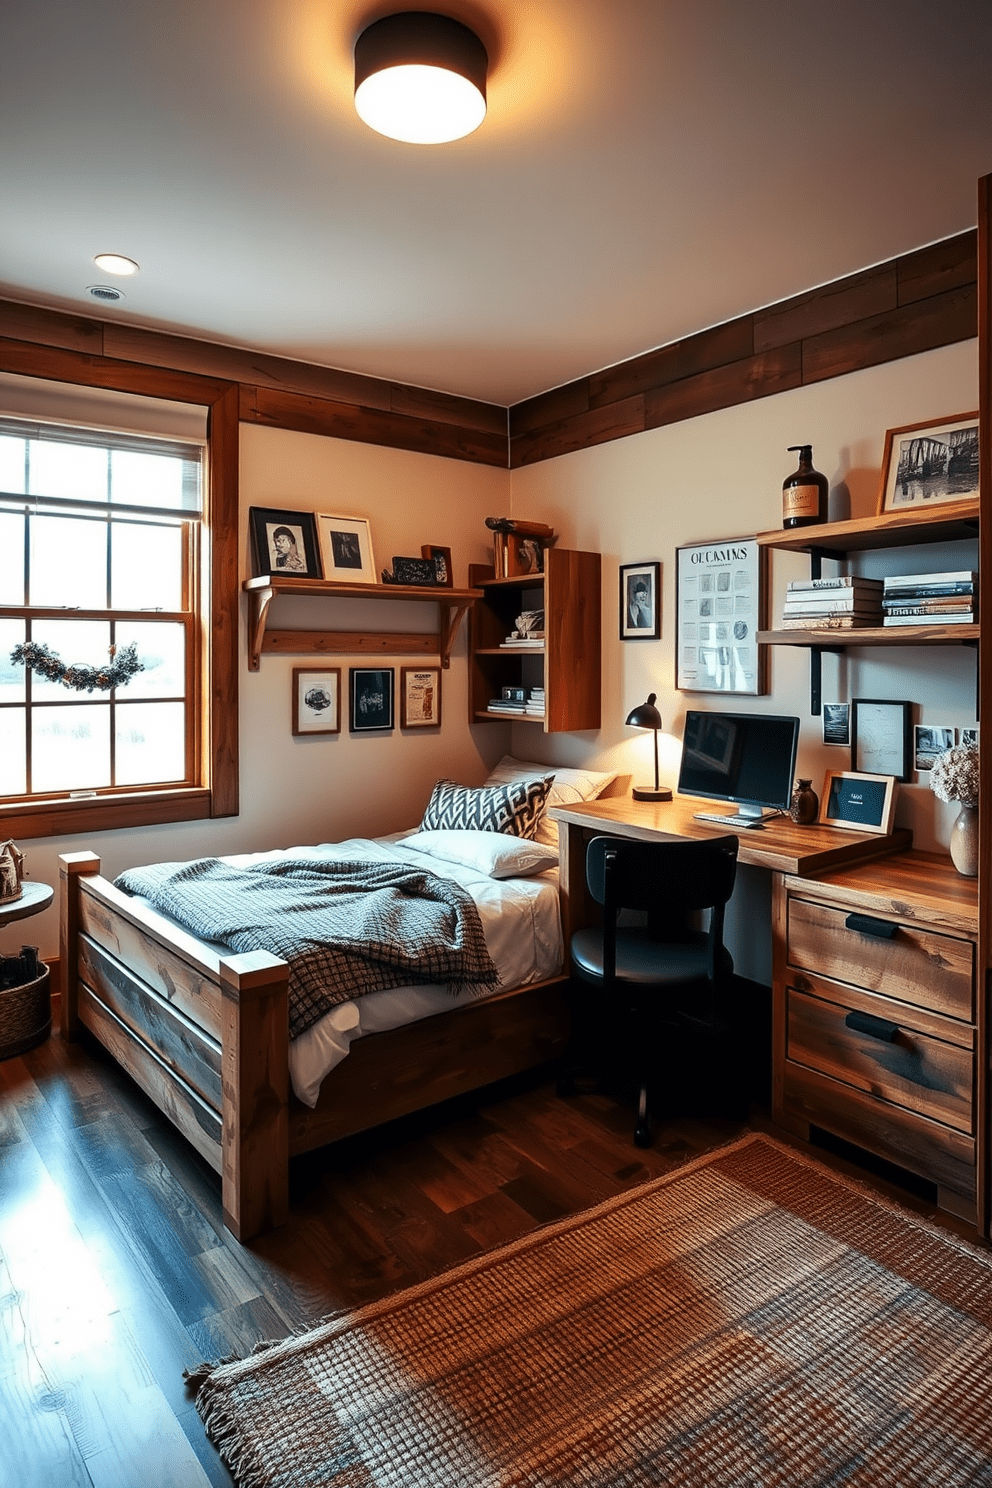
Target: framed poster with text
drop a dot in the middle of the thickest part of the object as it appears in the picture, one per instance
(720, 607)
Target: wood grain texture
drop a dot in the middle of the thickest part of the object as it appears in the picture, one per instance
(922, 325)
(572, 619)
(255, 1072)
(949, 264)
(72, 867)
(759, 376)
(719, 346)
(984, 1011)
(850, 299)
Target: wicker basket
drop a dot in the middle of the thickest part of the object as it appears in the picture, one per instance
(25, 1016)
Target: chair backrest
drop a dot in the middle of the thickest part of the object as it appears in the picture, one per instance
(674, 878)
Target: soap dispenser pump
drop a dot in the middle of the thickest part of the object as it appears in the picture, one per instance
(804, 492)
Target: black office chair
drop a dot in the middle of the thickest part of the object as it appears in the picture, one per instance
(641, 969)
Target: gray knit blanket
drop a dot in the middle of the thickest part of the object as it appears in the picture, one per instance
(344, 928)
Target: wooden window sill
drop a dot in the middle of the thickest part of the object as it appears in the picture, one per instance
(63, 818)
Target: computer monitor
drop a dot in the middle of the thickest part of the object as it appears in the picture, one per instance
(746, 758)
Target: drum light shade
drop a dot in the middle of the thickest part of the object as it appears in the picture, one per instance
(420, 78)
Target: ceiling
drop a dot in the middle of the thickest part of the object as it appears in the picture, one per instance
(647, 168)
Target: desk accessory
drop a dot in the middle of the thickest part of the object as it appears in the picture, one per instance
(858, 801)
(804, 492)
(647, 716)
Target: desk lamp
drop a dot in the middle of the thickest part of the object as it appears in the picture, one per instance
(647, 716)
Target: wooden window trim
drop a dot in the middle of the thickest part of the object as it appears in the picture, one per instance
(218, 679)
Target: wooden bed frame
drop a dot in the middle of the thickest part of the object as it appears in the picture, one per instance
(206, 1037)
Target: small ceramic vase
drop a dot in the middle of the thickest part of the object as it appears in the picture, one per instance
(964, 840)
(805, 804)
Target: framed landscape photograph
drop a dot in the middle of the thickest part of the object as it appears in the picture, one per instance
(858, 801)
(346, 548)
(420, 697)
(441, 558)
(720, 590)
(316, 700)
(929, 743)
(640, 601)
(284, 543)
(371, 695)
(881, 737)
(929, 463)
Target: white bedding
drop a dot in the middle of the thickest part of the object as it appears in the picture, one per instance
(520, 920)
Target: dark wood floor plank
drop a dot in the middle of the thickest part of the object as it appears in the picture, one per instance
(494, 1220)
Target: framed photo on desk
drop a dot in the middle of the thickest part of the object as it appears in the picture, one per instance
(858, 801)
(720, 607)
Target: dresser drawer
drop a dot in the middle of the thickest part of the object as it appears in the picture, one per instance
(875, 1048)
(923, 967)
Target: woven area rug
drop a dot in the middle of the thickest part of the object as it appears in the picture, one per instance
(750, 1319)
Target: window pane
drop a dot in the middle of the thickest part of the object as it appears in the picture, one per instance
(150, 743)
(13, 778)
(11, 558)
(12, 464)
(68, 562)
(162, 649)
(146, 480)
(86, 641)
(11, 676)
(71, 470)
(70, 747)
(146, 566)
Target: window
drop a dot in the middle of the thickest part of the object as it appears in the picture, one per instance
(98, 547)
(110, 539)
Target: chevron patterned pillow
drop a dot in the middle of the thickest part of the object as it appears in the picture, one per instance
(514, 808)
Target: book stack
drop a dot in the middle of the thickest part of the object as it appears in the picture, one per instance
(532, 642)
(535, 703)
(843, 603)
(930, 599)
(510, 700)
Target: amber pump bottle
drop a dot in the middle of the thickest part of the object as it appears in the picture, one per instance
(804, 493)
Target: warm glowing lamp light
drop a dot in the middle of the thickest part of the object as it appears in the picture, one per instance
(420, 78)
(646, 716)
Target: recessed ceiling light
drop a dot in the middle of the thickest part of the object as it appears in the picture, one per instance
(115, 263)
(420, 78)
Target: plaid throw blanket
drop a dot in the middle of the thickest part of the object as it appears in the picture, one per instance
(344, 928)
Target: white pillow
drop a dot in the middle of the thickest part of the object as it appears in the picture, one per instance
(569, 787)
(495, 853)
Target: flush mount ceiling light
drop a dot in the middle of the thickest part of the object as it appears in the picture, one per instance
(115, 263)
(420, 78)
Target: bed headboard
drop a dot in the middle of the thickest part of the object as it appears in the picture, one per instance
(619, 786)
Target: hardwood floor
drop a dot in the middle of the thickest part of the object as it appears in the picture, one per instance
(116, 1272)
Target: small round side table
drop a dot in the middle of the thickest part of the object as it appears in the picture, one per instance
(26, 1009)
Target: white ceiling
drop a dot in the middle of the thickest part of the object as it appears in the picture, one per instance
(647, 168)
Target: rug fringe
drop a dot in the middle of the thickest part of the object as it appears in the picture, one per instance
(221, 1426)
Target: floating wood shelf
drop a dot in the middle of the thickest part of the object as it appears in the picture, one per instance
(453, 605)
(875, 635)
(951, 521)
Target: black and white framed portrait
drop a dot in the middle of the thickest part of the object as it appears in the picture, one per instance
(316, 700)
(346, 548)
(640, 596)
(371, 692)
(284, 543)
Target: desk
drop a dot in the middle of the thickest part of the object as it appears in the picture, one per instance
(780, 846)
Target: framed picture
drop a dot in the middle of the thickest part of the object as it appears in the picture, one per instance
(858, 801)
(881, 737)
(441, 558)
(719, 608)
(640, 601)
(316, 700)
(371, 690)
(346, 548)
(925, 464)
(970, 736)
(420, 572)
(285, 542)
(420, 697)
(836, 723)
(929, 743)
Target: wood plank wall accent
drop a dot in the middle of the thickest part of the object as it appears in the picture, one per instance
(287, 394)
(983, 1114)
(911, 304)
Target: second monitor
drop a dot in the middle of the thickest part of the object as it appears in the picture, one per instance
(747, 759)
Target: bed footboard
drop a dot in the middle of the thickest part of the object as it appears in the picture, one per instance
(205, 1037)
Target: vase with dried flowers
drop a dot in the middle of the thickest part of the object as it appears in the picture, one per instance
(954, 777)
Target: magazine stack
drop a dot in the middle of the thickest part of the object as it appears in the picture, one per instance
(930, 599)
(842, 603)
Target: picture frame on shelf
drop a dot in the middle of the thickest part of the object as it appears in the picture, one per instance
(858, 801)
(970, 736)
(316, 700)
(284, 543)
(441, 558)
(421, 573)
(929, 743)
(720, 606)
(346, 549)
(882, 737)
(640, 601)
(420, 697)
(926, 464)
(370, 691)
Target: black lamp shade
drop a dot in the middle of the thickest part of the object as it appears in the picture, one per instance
(645, 715)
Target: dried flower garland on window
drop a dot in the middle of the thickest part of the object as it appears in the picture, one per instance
(954, 776)
(48, 664)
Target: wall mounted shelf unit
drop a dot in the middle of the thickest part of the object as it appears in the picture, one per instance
(453, 605)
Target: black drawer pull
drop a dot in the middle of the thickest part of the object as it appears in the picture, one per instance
(868, 925)
(877, 1028)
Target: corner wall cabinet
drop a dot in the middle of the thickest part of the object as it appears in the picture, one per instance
(452, 605)
(567, 666)
(953, 522)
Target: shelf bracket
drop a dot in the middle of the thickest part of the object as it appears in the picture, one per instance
(260, 599)
(450, 616)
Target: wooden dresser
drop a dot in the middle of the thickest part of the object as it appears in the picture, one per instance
(875, 1012)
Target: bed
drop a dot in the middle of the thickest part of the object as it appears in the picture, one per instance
(205, 1032)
